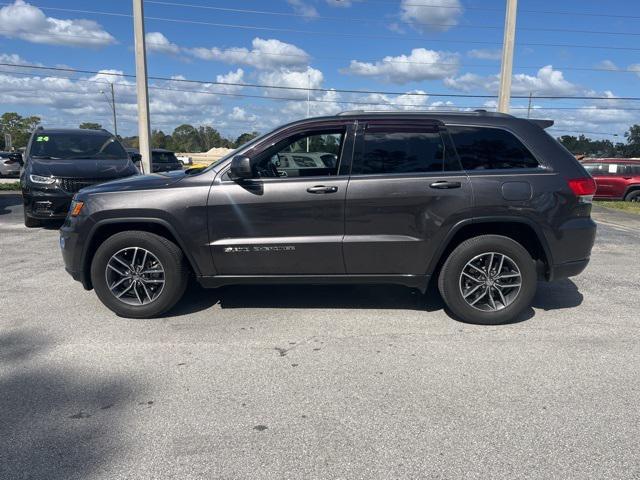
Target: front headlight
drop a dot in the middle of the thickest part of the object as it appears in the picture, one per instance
(42, 180)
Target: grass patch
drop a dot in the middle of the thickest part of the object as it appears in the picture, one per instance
(632, 207)
(10, 186)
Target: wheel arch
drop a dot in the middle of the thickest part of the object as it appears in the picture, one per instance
(519, 229)
(631, 188)
(106, 228)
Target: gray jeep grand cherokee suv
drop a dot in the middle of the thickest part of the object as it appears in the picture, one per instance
(484, 203)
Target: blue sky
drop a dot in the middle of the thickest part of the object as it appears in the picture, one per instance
(420, 47)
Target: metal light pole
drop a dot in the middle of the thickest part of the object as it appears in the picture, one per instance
(112, 104)
(507, 56)
(142, 89)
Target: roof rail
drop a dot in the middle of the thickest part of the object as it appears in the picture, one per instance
(422, 112)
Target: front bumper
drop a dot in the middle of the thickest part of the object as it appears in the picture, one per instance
(46, 204)
(71, 249)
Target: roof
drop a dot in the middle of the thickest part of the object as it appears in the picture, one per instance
(634, 161)
(72, 130)
(475, 117)
(161, 150)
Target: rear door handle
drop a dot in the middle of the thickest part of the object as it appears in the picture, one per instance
(322, 189)
(445, 184)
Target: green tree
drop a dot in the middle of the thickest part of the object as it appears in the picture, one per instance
(161, 140)
(185, 138)
(244, 138)
(632, 149)
(19, 127)
(210, 138)
(90, 126)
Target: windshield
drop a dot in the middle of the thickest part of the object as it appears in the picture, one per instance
(67, 146)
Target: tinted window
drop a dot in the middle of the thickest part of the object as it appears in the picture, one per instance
(302, 155)
(79, 146)
(481, 148)
(164, 157)
(610, 169)
(400, 152)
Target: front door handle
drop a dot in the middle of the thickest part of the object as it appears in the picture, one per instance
(445, 184)
(322, 189)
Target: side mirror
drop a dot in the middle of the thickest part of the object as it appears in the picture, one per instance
(240, 168)
(136, 157)
(16, 157)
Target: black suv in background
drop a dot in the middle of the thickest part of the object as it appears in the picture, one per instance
(164, 161)
(486, 204)
(59, 162)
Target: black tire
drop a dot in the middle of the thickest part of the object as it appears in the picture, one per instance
(449, 279)
(31, 222)
(633, 196)
(171, 259)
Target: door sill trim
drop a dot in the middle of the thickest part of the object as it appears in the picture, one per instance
(409, 280)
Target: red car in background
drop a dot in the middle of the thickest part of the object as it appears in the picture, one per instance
(616, 178)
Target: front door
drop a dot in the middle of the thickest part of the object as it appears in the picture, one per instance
(406, 189)
(288, 219)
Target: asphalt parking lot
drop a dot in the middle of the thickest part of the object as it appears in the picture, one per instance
(317, 382)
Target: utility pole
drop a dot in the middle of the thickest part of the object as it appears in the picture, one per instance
(507, 56)
(529, 107)
(112, 104)
(308, 100)
(142, 89)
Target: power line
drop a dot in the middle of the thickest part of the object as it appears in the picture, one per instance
(314, 89)
(343, 34)
(379, 20)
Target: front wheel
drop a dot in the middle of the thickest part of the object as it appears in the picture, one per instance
(139, 274)
(488, 280)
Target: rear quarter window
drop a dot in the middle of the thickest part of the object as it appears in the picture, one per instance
(486, 148)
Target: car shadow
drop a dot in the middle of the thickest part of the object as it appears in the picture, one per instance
(9, 200)
(55, 423)
(550, 296)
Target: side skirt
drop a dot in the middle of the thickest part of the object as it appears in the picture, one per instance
(419, 282)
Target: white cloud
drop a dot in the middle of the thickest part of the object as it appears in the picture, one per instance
(485, 53)
(547, 81)
(157, 42)
(420, 64)
(340, 3)
(303, 8)
(607, 65)
(27, 22)
(239, 114)
(432, 18)
(310, 78)
(265, 55)
(635, 68)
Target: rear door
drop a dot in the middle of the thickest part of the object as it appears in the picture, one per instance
(289, 219)
(406, 190)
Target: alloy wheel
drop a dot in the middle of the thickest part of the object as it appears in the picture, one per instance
(135, 276)
(490, 281)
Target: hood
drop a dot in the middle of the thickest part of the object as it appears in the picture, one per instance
(79, 168)
(137, 182)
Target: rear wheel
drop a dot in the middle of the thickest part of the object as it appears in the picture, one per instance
(139, 274)
(488, 280)
(633, 196)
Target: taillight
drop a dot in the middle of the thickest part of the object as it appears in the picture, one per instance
(583, 188)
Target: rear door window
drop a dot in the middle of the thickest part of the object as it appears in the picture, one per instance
(387, 150)
(486, 148)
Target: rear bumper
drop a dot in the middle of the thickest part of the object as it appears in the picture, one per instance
(568, 269)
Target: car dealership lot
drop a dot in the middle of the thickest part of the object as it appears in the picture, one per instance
(317, 381)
